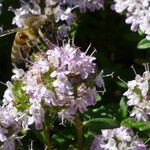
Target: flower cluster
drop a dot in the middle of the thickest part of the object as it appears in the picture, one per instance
(117, 139)
(59, 11)
(61, 79)
(30, 7)
(58, 83)
(85, 5)
(12, 121)
(138, 94)
(137, 13)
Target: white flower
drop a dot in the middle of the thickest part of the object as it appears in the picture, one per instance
(144, 87)
(8, 96)
(111, 145)
(9, 144)
(18, 73)
(42, 65)
(137, 14)
(137, 94)
(139, 114)
(3, 131)
(126, 134)
(117, 139)
(134, 99)
(22, 13)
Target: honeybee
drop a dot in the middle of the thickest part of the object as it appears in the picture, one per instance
(34, 30)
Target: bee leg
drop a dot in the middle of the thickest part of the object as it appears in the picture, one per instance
(24, 51)
(39, 48)
(30, 43)
(47, 43)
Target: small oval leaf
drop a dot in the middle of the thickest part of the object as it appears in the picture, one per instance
(97, 124)
(144, 44)
(123, 109)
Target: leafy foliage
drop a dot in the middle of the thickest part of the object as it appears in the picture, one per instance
(140, 125)
(97, 124)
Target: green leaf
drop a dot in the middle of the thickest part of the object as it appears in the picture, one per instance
(123, 109)
(58, 138)
(121, 84)
(21, 98)
(42, 46)
(88, 138)
(97, 124)
(99, 110)
(144, 44)
(140, 125)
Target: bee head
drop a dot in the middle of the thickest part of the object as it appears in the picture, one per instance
(46, 29)
(21, 37)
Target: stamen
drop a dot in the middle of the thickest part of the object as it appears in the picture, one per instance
(107, 75)
(103, 91)
(62, 119)
(93, 52)
(31, 146)
(69, 41)
(147, 141)
(88, 48)
(11, 9)
(63, 42)
(146, 66)
(121, 80)
(74, 7)
(134, 70)
(14, 65)
(45, 148)
(73, 41)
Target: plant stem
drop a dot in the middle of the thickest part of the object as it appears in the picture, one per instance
(46, 131)
(79, 131)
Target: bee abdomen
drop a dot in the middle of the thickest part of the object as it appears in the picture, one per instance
(15, 52)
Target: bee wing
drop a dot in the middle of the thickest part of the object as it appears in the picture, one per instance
(9, 31)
